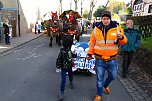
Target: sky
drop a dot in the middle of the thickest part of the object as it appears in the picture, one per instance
(52, 5)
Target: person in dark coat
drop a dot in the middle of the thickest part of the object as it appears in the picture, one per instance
(6, 33)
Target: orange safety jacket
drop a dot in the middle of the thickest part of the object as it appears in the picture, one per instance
(100, 48)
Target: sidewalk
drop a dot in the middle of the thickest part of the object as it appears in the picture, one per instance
(18, 41)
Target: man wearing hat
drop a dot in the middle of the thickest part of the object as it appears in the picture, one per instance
(103, 45)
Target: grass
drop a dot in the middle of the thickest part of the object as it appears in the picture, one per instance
(147, 43)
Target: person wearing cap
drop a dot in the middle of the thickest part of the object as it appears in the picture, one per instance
(103, 44)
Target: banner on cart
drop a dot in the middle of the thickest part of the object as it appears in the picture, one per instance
(81, 62)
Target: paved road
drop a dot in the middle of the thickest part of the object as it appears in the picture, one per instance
(27, 73)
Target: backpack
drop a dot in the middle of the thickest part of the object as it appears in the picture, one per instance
(64, 59)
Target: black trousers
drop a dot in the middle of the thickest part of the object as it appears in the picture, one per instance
(127, 58)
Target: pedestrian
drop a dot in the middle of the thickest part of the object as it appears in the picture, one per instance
(64, 62)
(35, 27)
(103, 45)
(65, 27)
(128, 50)
(6, 33)
(39, 29)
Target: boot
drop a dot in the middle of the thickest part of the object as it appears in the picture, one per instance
(71, 85)
(97, 98)
(107, 90)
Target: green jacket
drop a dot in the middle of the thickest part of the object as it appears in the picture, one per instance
(134, 39)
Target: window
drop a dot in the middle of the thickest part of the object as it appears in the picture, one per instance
(140, 7)
(135, 8)
(150, 9)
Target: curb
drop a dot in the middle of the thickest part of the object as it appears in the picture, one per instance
(20, 44)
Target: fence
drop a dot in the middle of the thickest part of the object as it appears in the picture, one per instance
(144, 24)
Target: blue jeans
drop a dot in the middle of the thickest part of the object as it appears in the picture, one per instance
(7, 39)
(63, 78)
(101, 66)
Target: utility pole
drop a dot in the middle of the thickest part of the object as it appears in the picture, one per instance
(1, 6)
(18, 6)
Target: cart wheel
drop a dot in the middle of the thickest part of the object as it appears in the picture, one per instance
(89, 73)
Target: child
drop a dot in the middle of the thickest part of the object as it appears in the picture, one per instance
(64, 62)
(39, 29)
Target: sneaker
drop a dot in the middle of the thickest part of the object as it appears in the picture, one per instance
(71, 86)
(61, 96)
(107, 90)
(97, 98)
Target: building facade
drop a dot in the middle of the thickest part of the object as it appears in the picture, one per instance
(20, 14)
(142, 7)
(8, 13)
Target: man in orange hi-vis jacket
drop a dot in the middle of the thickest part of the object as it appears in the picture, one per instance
(103, 44)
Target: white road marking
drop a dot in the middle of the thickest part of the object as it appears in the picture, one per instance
(31, 53)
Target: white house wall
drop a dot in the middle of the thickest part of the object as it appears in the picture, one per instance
(28, 14)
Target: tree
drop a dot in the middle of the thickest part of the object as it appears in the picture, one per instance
(98, 12)
(116, 9)
(116, 6)
(81, 6)
(76, 6)
(92, 5)
(129, 10)
(85, 14)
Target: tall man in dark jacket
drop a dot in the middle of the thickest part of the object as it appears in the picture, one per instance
(134, 38)
(6, 32)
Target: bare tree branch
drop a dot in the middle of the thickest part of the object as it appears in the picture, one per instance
(92, 5)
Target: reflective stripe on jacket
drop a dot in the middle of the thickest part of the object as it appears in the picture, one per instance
(106, 49)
